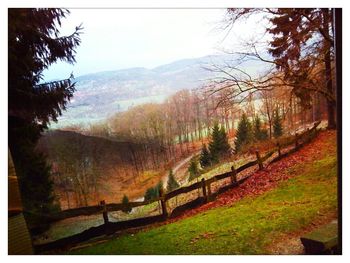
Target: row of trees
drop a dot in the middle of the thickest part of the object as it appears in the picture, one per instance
(248, 132)
(219, 148)
(169, 130)
(187, 116)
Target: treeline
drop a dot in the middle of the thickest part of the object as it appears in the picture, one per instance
(171, 128)
(185, 117)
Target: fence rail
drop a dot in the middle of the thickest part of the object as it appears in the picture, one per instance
(205, 185)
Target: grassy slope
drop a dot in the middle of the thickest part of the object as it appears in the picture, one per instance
(246, 227)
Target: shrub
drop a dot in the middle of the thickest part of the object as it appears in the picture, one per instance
(153, 192)
(125, 201)
(193, 170)
(172, 183)
(204, 158)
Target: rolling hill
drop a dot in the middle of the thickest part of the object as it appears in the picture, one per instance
(102, 94)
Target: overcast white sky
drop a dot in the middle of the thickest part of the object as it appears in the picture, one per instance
(123, 38)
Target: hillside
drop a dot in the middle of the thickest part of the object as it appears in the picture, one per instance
(265, 215)
(101, 94)
(108, 166)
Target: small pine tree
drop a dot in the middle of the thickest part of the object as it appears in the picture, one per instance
(277, 125)
(257, 128)
(125, 201)
(153, 192)
(204, 158)
(193, 170)
(172, 183)
(149, 195)
(243, 135)
(259, 133)
(224, 146)
(218, 145)
(158, 187)
(214, 144)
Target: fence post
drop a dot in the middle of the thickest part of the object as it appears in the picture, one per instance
(259, 160)
(279, 149)
(163, 202)
(104, 211)
(204, 189)
(296, 140)
(209, 192)
(233, 175)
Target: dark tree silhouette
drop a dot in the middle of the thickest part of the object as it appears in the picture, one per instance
(153, 192)
(277, 125)
(291, 30)
(125, 201)
(218, 145)
(34, 43)
(259, 133)
(243, 135)
(204, 158)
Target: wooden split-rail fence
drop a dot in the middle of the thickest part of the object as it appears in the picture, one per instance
(205, 186)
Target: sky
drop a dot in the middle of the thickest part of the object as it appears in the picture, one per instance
(114, 39)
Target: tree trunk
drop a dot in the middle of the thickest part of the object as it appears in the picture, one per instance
(328, 71)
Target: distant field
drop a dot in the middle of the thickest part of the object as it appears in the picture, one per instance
(86, 114)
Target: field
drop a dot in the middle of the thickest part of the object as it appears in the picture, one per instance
(84, 115)
(255, 224)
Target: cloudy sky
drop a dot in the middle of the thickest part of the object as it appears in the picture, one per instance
(123, 38)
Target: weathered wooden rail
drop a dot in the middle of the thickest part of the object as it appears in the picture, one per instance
(205, 185)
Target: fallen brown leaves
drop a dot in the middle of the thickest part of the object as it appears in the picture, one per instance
(267, 179)
(260, 182)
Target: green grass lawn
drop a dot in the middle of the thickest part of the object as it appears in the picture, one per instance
(248, 226)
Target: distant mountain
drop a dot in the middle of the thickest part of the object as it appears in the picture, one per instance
(102, 94)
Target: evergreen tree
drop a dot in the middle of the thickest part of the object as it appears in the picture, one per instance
(218, 145)
(309, 34)
(243, 135)
(125, 201)
(259, 133)
(153, 192)
(277, 125)
(172, 183)
(204, 158)
(158, 187)
(214, 144)
(150, 194)
(193, 170)
(34, 43)
(224, 146)
(301, 40)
